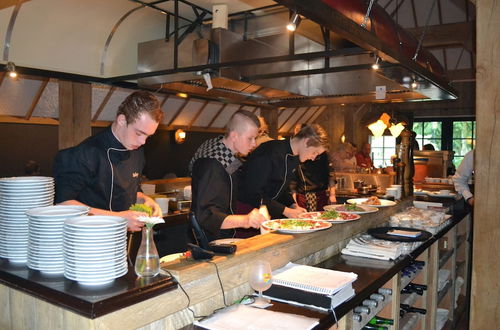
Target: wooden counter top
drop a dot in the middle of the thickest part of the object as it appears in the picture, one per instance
(159, 303)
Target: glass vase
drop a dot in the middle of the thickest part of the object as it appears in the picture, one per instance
(147, 262)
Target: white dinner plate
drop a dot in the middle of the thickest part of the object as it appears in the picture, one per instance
(294, 226)
(341, 208)
(383, 202)
(341, 216)
(58, 211)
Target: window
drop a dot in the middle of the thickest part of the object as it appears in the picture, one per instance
(382, 149)
(428, 132)
(457, 134)
(464, 139)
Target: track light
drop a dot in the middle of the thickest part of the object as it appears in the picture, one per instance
(414, 84)
(376, 66)
(11, 69)
(294, 22)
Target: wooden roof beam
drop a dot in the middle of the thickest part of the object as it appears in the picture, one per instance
(103, 104)
(448, 35)
(36, 99)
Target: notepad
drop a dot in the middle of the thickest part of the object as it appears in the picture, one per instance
(313, 279)
(404, 233)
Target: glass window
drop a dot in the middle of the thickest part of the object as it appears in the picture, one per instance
(382, 149)
(464, 139)
(428, 132)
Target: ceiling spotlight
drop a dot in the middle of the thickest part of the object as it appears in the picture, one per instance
(414, 84)
(294, 22)
(183, 95)
(11, 69)
(376, 66)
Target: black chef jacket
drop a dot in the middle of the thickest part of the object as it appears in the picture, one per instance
(313, 175)
(99, 172)
(266, 176)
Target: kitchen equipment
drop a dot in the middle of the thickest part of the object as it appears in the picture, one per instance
(358, 183)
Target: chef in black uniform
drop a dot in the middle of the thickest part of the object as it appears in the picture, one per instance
(104, 171)
(214, 178)
(270, 168)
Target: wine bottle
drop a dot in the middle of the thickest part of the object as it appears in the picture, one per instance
(381, 320)
(362, 310)
(419, 263)
(370, 303)
(411, 290)
(377, 297)
(374, 327)
(422, 287)
(410, 309)
(385, 291)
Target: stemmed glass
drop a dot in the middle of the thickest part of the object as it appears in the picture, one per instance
(261, 279)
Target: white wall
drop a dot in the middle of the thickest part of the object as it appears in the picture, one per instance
(69, 35)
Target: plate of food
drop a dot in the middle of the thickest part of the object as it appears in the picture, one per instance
(330, 216)
(371, 201)
(295, 226)
(351, 208)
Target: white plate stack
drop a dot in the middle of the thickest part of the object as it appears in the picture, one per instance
(17, 195)
(45, 244)
(95, 249)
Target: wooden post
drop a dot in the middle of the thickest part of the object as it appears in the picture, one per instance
(271, 118)
(485, 312)
(405, 159)
(75, 110)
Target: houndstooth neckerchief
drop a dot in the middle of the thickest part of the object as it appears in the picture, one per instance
(215, 149)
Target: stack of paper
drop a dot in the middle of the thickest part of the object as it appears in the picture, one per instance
(244, 317)
(320, 287)
(366, 246)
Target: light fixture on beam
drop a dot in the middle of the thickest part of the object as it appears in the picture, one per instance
(11, 69)
(183, 95)
(294, 22)
(414, 84)
(377, 128)
(396, 129)
(180, 136)
(376, 66)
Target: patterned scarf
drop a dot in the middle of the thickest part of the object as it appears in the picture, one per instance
(215, 149)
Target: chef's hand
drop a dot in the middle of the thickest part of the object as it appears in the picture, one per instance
(294, 211)
(133, 224)
(148, 201)
(254, 219)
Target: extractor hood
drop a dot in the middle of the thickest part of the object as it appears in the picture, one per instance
(272, 68)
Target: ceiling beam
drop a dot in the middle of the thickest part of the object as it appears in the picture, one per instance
(200, 110)
(448, 35)
(461, 75)
(9, 3)
(218, 113)
(103, 104)
(36, 99)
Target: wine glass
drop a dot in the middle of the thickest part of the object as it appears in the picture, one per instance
(260, 279)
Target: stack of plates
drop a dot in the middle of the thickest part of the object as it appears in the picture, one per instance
(46, 236)
(95, 249)
(17, 195)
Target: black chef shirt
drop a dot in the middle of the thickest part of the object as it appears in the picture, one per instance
(99, 172)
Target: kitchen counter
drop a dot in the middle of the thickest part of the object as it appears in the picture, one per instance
(130, 303)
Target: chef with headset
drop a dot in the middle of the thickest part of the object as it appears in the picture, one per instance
(104, 171)
(214, 184)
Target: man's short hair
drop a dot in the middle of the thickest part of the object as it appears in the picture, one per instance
(140, 102)
(238, 117)
(316, 134)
